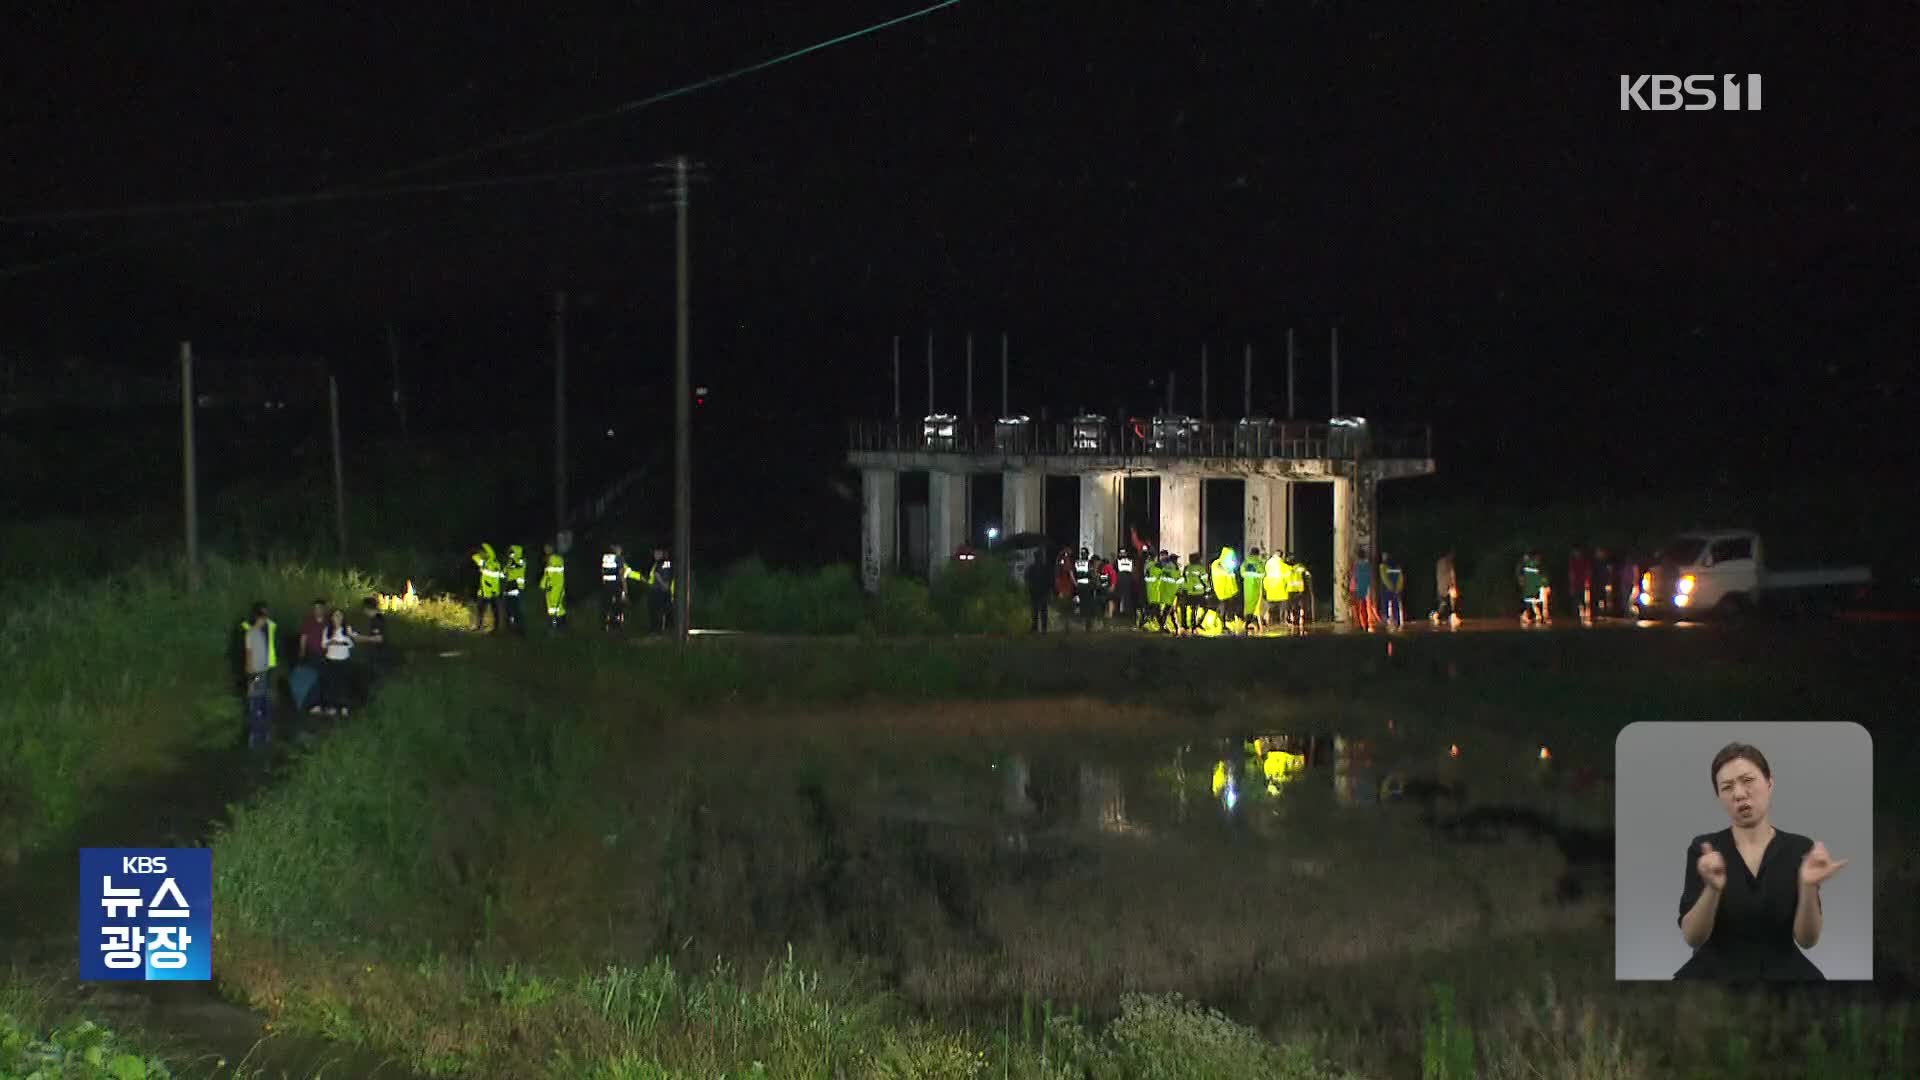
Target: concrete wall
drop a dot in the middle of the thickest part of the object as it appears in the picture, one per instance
(1020, 506)
(879, 525)
(1180, 514)
(1100, 513)
(946, 519)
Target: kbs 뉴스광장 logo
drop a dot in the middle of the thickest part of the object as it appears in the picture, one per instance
(146, 913)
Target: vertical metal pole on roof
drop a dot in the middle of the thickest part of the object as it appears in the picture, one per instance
(683, 419)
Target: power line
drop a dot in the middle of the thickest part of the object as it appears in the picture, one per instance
(536, 134)
(349, 191)
(336, 195)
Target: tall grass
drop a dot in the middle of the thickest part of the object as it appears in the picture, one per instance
(127, 678)
(977, 597)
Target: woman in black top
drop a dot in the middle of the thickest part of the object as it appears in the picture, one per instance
(1752, 892)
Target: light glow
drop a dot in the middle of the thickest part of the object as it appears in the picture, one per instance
(1681, 600)
(1686, 584)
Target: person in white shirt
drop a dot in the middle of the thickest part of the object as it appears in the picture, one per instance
(336, 682)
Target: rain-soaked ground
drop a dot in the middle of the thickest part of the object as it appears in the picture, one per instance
(1300, 841)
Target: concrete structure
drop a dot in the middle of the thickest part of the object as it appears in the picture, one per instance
(1268, 456)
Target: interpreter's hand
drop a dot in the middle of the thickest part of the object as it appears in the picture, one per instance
(1712, 867)
(1818, 866)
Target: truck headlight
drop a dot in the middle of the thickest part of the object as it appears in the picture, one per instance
(1686, 585)
(1682, 600)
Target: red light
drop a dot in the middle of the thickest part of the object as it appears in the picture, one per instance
(1454, 750)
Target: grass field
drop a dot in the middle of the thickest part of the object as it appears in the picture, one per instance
(577, 856)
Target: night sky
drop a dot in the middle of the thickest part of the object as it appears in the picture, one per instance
(1550, 281)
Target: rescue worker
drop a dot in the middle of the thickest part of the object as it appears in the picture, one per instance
(1276, 579)
(1302, 591)
(1150, 613)
(1393, 583)
(662, 587)
(614, 575)
(1226, 585)
(1532, 582)
(1253, 573)
(1127, 589)
(1083, 586)
(1193, 595)
(487, 589)
(553, 583)
(516, 580)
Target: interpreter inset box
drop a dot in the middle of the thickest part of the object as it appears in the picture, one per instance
(1743, 852)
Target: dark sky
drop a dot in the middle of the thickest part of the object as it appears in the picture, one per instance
(1547, 279)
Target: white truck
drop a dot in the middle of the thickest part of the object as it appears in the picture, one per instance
(1724, 573)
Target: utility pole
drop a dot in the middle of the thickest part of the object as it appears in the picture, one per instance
(683, 419)
(1003, 375)
(929, 373)
(399, 396)
(896, 376)
(339, 470)
(186, 464)
(1336, 371)
(559, 413)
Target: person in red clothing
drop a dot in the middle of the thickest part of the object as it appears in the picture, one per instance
(1107, 588)
(1063, 587)
(1579, 577)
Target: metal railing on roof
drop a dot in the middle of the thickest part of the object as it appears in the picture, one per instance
(1144, 437)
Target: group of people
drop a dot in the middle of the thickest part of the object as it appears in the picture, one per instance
(1158, 593)
(1601, 584)
(499, 585)
(335, 663)
(1379, 591)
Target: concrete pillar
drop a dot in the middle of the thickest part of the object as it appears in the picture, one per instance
(1356, 513)
(1100, 512)
(1020, 501)
(1342, 549)
(879, 525)
(1259, 514)
(1180, 515)
(946, 519)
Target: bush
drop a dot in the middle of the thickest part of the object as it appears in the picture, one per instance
(903, 607)
(752, 596)
(979, 597)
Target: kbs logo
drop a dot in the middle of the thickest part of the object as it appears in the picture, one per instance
(1693, 93)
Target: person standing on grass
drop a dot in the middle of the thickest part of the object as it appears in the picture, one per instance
(516, 582)
(375, 654)
(313, 631)
(261, 653)
(487, 586)
(553, 585)
(1039, 582)
(1527, 574)
(336, 673)
(660, 592)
